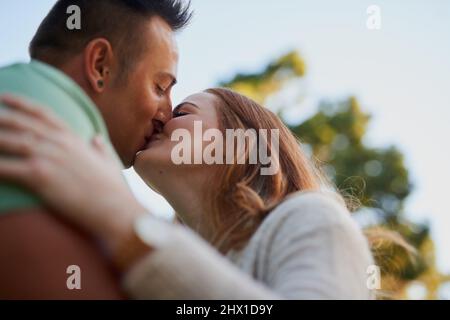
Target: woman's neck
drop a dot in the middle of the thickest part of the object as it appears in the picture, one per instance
(188, 201)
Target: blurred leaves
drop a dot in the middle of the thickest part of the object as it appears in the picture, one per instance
(259, 86)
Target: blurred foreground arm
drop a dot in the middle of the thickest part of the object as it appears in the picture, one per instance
(36, 248)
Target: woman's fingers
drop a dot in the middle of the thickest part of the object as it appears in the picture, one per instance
(33, 110)
(27, 145)
(15, 170)
(17, 144)
(19, 122)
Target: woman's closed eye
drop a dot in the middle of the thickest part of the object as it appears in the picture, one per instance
(179, 113)
(184, 109)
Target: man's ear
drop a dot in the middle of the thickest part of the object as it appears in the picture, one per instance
(98, 62)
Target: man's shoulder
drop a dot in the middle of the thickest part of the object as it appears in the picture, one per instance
(49, 88)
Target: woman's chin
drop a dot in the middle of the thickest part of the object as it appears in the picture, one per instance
(151, 159)
(143, 159)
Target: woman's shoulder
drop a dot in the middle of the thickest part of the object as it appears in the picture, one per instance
(312, 240)
(305, 216)
(313, 209)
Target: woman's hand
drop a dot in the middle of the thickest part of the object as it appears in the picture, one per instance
(76, 179)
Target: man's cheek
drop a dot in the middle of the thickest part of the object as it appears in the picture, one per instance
(147, 111)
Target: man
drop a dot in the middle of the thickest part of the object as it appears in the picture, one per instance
(115, 74)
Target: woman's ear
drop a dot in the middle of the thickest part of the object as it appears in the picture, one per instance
(98, 60)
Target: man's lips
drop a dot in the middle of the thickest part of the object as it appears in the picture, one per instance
(146, 141)
(154, 137)
(149, 140)
(153, 134)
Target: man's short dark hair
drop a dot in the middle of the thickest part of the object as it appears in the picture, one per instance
(118, 21)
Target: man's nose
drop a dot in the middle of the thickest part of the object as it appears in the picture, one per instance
(164, 113)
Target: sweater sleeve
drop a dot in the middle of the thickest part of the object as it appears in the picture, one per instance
(187, 267)
(308, 248)
(317, 251)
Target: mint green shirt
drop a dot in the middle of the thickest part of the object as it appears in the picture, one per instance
(50, 88)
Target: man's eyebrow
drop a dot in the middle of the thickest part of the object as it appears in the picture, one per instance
(171, 76)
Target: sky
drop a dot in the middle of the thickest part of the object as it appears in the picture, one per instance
(399, 73)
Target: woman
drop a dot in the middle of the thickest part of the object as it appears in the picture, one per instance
(245, 235)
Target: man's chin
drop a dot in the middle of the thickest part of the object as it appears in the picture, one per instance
(132, 159)
(138, 164)
(128, 162)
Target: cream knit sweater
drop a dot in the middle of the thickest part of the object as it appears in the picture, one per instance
(307, 248)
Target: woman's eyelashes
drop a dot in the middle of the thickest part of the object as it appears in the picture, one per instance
(179, 113)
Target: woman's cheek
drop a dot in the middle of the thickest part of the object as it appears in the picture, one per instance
(179, 123)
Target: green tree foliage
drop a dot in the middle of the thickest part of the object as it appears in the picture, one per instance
(376, 177)
(259, 86)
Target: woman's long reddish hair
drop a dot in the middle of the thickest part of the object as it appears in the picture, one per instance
(245, 197)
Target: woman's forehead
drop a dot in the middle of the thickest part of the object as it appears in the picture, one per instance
(202, 100)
